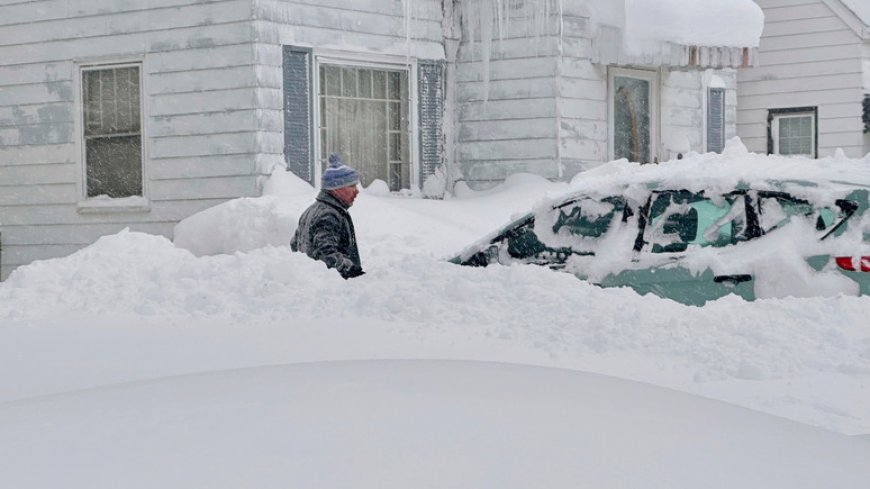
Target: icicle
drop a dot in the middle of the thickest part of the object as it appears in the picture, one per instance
(486, 25)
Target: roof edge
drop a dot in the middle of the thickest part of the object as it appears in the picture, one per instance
(851, 18)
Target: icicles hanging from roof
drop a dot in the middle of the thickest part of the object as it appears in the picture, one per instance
(485, 21)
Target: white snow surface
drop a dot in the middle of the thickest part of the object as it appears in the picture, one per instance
(133, 307)
(722, 23)
(410, 424)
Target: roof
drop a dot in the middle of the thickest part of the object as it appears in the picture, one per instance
(861, 8)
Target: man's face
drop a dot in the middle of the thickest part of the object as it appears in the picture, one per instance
(346, 194)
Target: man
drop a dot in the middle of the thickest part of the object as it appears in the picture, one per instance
(325, 229)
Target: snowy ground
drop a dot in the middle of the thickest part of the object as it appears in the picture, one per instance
(417, 424)
(136, 307)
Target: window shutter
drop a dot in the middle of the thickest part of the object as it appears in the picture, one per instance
(298, 117)
(430, 83)
(716, 120)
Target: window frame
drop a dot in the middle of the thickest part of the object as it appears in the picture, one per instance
(88, 204)
(409, 65)
(653, 77)
(776, 115)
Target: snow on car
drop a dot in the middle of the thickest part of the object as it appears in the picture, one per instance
(701, 228)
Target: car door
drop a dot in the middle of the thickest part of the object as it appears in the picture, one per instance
(675, 223)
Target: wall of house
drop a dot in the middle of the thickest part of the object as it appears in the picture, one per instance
(506, 97)
(582, 103)
(393, 31)
(201, 115)
(684, 97)
(809, 56)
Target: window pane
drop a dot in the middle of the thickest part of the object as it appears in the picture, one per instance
(112, 127)
(795, 135)
(365, 83)
(348, 82)
(379, 85)
(631, 105)
(395, 86)
(114, 166)
(333, 80)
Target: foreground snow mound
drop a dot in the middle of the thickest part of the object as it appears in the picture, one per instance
(384, 424)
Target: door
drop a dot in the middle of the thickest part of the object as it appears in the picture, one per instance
(633, 98)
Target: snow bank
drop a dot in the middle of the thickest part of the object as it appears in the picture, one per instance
(134, 306)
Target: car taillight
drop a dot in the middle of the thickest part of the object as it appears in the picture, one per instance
(853, 264)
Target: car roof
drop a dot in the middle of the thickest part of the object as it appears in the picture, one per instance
(823, 179)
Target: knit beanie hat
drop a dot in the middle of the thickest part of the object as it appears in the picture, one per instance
(338, 175)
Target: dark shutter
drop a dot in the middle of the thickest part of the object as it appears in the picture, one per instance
(298, 117)
(430, 83)
(716, 120)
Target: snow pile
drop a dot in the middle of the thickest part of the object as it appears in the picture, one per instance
(134, 306)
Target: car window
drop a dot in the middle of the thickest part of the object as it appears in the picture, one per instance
(680, 219)
(777, 209)
(588, 217)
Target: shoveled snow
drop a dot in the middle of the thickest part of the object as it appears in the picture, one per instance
(134, 306)
(410, 424)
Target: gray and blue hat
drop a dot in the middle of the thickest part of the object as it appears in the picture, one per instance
(338, 175)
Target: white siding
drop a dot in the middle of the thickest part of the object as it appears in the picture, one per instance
(201, 116)
(507, 105)
(809, 57)
(582, 101)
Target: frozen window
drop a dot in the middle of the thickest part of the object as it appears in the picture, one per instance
(632, 109)
(680, 219)
(793, 132)
(364, 118)
(112, 131)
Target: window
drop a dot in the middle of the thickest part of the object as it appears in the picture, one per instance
(792, 132)
(716, 120)
(679, 219)
(364, 117)
(633, 100)
(112, 127)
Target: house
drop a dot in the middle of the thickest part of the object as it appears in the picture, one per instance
(139, 113)
(807, 94)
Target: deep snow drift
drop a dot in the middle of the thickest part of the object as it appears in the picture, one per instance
(134, 306)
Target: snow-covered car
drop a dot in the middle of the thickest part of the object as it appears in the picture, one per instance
(699, 230)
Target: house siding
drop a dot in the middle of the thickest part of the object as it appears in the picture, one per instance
(808, 57)
(507, 110)
(200, 123)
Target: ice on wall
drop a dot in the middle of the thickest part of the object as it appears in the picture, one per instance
(490, 20)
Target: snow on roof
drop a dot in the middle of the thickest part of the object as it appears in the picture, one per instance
(731, 23)
(861, 8)
(712, 33)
